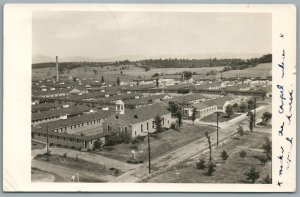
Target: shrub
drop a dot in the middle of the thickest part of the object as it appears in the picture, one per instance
(263, 159)
(109, 148)
(224, 155)
(58, 145)
(72, 147)
(211, 169)
(200, 164)
(117, 172)
(242, 154)
(267, 180)
(173, 126)
(252, 175)
(65, 155)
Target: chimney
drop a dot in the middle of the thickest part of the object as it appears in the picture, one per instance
(57, 69)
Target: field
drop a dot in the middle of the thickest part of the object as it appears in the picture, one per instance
(129, 72)
(261, 70)
(230, 171)
(161, 144)
(62, 168)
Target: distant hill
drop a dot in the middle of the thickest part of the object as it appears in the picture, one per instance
(43, 59)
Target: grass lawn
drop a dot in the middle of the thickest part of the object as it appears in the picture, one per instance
(161, 143)
(231, 171)
(42, 176)
(80, 165)
(222, 117)
(37, 145)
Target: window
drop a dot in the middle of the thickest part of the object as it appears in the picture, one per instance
(61, 129)
(87, 123)
(163, 121)
(65, 128)
(75, 126)
(57, 137)
(147, 125)
(77, 140)
(64, 139)
(71, 127)
(108, 127)
(94, 121)
(141, 127)
(153, 125)
(134, 132)
(125, 128)
(82, 124)
(39, 134)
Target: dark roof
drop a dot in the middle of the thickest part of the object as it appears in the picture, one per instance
(44, 106)
(142, 114)
(50, 92)
(59, 112)
(144, 100)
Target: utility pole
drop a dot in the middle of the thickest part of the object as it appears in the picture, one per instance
(254, 118)
(217, 128)
(149, 154)
(47, 142)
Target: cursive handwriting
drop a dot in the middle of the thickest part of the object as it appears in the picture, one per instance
(282, 98)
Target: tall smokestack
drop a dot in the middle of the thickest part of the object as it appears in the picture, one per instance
(57, 69)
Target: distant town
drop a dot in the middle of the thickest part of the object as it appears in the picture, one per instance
(154, 120)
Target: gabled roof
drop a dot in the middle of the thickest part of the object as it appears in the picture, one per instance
(134, 116)
(76, 120)
(59, 112)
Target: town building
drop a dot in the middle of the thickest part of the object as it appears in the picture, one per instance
(136, 122)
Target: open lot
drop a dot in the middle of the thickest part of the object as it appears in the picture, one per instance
(161, 143)
(62, 168)
(231, 171)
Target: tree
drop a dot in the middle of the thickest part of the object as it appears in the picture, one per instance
(224, 155)
(157, 122)
(95, 71)
(252, 175)
(187, 75)
(98, 144)
(251, 103)
(209, 145)
(102, 79)
(251, 121)
(229, 110)
(240, 130)
(157, 82)
(74, 79)
(118, 81)
(267, 147)
(194, 115)
(200, 164)
(179, 118)
(173, 107)
(243, 107)
(243, 154)
(266, 117)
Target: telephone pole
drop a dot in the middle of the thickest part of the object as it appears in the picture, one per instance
(47, 142)
(149, 153)
(254, 116)
(217, 128)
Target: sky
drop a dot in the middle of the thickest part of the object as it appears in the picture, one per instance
(149, 34)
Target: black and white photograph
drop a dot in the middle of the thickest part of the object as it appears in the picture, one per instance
(153, 96)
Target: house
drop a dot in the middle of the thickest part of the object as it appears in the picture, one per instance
(79, 132)
(211, 106)
(190, 98)
(136, 122)
(44, 107)
(166, 82)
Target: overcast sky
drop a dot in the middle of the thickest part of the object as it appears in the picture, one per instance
(112, 34)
